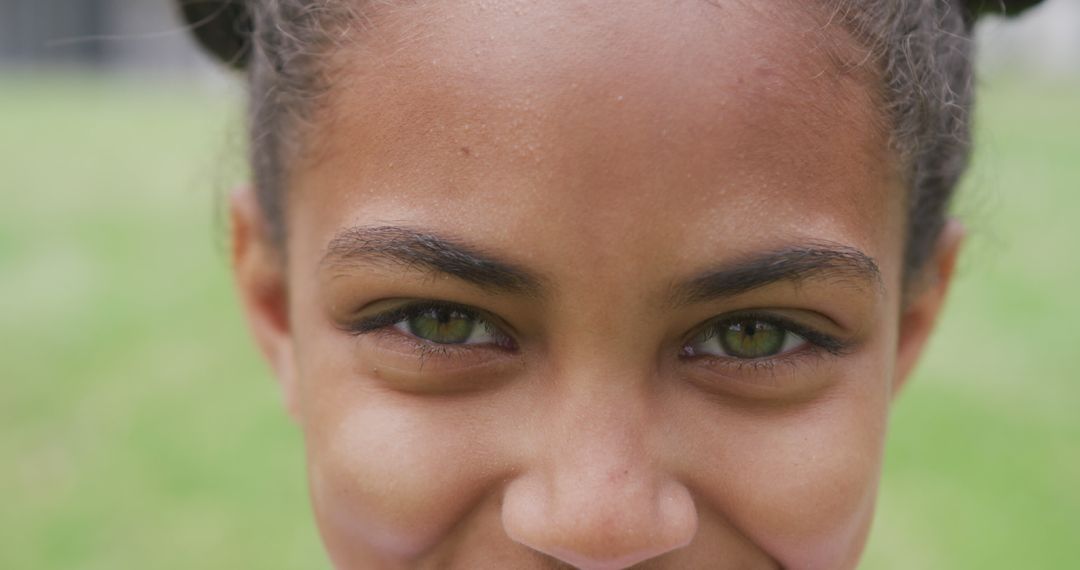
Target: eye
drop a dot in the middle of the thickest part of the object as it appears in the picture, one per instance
(427, 346)
(744, 338)
(436, 323)
(447, 325)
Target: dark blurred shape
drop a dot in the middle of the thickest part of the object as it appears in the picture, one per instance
(1007, 7)
(977, 8)
(222, 26)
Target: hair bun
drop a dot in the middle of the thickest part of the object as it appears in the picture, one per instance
(976, 8)
(222, 27)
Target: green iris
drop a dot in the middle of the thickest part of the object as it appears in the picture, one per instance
(752, 339)
(442, 326)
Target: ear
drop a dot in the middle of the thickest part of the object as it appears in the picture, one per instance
(921, 309)
(259, 270)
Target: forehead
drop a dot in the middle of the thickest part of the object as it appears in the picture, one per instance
(657, 129)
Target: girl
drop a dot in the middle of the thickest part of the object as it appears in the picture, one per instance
(596, 283)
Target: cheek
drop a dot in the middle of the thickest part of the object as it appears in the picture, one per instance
(814, 497)
(389, 473)
(800, 483)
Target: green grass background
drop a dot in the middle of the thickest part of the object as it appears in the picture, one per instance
(138, 428)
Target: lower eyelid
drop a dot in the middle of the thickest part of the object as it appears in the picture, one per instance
(791, 372)
(406, 343)
(413, 364)
(777, 380)
(792, 356)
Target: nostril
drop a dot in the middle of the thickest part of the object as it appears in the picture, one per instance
(605, 527)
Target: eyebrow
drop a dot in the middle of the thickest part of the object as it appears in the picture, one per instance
(416, 249)
(793, 264)
(413, 249)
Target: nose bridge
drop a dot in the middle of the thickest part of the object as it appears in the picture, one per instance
(600, 420)
(595, 496)
(598, 444)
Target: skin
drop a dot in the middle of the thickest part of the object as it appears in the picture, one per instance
(611, 151)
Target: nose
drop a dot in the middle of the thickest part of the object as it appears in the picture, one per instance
(595, 498)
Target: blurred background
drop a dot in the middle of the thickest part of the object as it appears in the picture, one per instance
(140, 429)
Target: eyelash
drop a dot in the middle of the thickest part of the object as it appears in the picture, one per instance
(385, 321)
(828, 343)
(818, 343)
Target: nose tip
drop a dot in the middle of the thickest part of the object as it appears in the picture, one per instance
(600, 527)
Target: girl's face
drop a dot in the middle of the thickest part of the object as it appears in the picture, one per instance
(591, 283)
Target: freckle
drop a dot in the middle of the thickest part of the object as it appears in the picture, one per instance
(465, 151)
